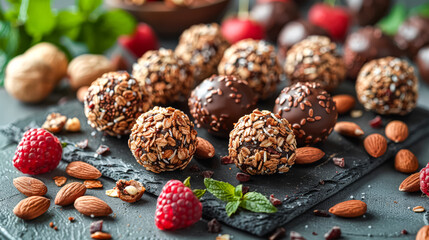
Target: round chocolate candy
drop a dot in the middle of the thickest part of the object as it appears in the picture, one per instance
(114, 101)
(309, 109)
(165, 75)
(262, 143)
(218, 102)
(315, 59)
(273, 15)
(422, 61)
(254, 61)
(163, 139)
(387, 86)
(294, 32)
(368, 12)
(412, 35)
(364, 45)
(202, 47)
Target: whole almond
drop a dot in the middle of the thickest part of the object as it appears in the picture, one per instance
(350, 129)
(204, 149)
(397, 131)
(30, 186)
(307, 155)
(69, 193)
(411, 183)
(349, 209)
(423, 233)
(375, 145)
(31, 207)
(82, 170)
(92, 206)
(406, 161)
(344, 103)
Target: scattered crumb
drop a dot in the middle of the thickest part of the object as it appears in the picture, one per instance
(56, 228)
(71, 219)
(60, 180)
(93, 184)
(112, 193)
(356, 113)
(51, 224)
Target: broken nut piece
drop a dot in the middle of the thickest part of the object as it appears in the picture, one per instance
(73, 125)
(129, 191)
(54, 122)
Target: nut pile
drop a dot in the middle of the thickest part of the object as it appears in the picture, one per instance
(163, 139)
(114, 101)
(262, 143)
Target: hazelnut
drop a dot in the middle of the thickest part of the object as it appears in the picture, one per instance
(129, 191)
(84, 69)
(28, 79)
(53, 56)
(73, 125)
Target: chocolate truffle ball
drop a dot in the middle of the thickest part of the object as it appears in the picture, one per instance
(273, 15)
(365, 45)
(412, 35)
(309, 109)
(368, 12)
(422, 61)
(218, 102)
(165, 75)
(114, 101)
(387, 86)
(163, 139)
(202, 46)
(315, 59)
(254, 61)
(294, 32)
(262, 143)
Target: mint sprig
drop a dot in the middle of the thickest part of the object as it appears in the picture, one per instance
(197, 192)
(252, 201)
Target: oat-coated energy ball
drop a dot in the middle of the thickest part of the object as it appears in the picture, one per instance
(387, 86)
(309, 109)
(114, 101)
(165, 75)
(262, 143)
(202, 47)
(218, 102)
(254, 61)
(163, 139)
(315, 59)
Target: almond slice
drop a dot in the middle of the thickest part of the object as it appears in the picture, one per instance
(82, 170)
(30, 186)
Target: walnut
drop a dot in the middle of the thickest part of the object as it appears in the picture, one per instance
(29, 78)
(85, 69)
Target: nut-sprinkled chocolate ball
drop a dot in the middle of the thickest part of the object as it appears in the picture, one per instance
(309, 109)
(254, 61)
(262, 143)
(368, 12)
(315, 59)
(422, 61)
(412, 35)
(165, 75)
(202, 46)
(218, 102)
(273, 15)
(365, 45)
(387, 86)
(114, 101)
(294, 32)
(163, 139)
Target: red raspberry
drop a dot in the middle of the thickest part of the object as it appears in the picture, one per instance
(424, 180)
(335, 20)
(177, 207)
(38, 152)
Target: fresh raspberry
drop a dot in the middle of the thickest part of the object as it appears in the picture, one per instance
(424, 180)
(177, 207)
(335, 20)
(38, 152)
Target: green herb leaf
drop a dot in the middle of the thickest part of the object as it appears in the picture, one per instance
(232, 207)
(88, 6)
(40, 19)
(64, 144)
(238, 191)
(257, 202)
(421, 10)
(187, 182)
(199, 192)
(68, 23)
(222, 190)
(390, 23)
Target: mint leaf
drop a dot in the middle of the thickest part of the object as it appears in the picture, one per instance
(238, 191)
(232, 207)
(116, 22)
(64, 144)
(187, 182)
(68, 23)
(390, 23)
(421, 10)
(199, 192)
(222, 190)
(257, 202)
(40, 19)
(88, 6)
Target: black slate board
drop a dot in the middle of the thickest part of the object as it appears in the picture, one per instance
(301, 185)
